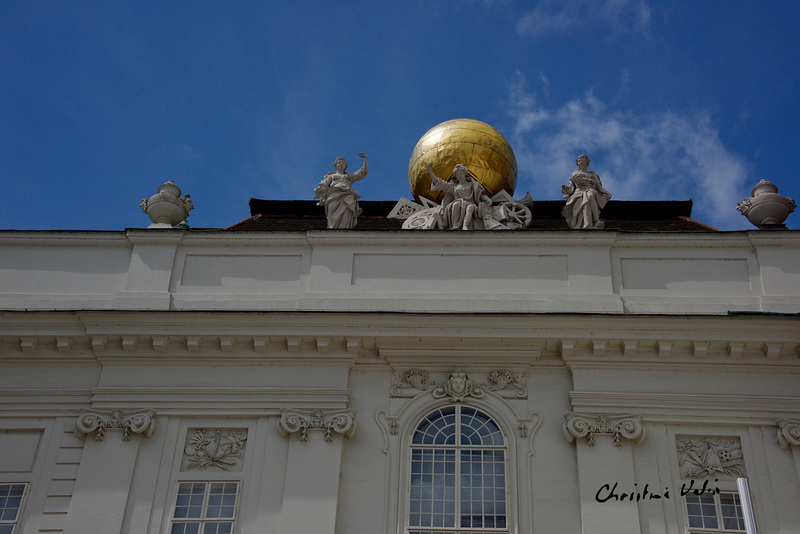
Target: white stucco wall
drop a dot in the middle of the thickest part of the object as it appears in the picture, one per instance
(580, 271)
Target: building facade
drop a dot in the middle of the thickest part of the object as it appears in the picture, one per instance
(365, 381)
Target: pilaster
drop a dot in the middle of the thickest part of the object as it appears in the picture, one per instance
(104, 477)
(313, 468)
(608, 489)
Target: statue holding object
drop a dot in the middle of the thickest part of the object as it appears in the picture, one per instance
(465, 202)
(336, 194)
(466, 206)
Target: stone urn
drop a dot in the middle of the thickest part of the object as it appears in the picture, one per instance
(167, 208)
(766, 208)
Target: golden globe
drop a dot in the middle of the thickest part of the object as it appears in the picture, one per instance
(480, 147)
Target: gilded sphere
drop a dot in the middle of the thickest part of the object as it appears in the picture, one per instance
(484, 151)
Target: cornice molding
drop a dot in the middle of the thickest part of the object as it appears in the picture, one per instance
(588, 426)
(331, 422)
(677, 407)
(408, 339)
(99, 421)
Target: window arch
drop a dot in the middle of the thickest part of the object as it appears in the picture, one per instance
(458, 480)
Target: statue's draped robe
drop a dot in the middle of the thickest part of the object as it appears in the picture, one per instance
(456, 199)
(585, 191)
(339, 198)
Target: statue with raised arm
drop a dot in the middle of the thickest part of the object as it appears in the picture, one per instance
(336, 194)
(585, 197)
(465, 203)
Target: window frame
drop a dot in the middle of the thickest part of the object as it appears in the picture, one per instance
(16, 521)
(204, 519)
(509, 472)
(720, 529)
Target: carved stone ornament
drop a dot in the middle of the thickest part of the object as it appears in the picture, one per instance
(215, 448)
(788, 432)
(99, 421)
(340, 422)
(766, 208)
(167, 208)
(500, 212)
(465, 206)
(458, 386)
(587, 426)
(709, 456)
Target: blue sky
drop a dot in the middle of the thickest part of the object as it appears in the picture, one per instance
(101, 102)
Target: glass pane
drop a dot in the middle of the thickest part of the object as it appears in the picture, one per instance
(431, 493)
(479, 429)
(221, 500)
(482, 492)
(185, 528)
(467, 479)
(10, 502)
(218, 528)
(189, 503)
(438, 428)
(732, 515)
(701, 511)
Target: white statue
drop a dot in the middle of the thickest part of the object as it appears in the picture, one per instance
(465, 206)
(585, 197)
(336, 194)
(465, 203)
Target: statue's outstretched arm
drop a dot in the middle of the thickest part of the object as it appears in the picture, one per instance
(362, 172)
(437, 184)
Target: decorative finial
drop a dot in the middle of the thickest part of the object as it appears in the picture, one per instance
(167, 208)
(766, 209)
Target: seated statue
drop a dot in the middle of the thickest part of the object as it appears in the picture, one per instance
(585, 197)
(465, 202)
(335, 192)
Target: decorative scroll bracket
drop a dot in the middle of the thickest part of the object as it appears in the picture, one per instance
(340, 422)
(99, 421)
(588, 426)
(788, 432)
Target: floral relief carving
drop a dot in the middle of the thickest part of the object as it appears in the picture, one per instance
(458, 385)
(710, 456)
(416, 378)
(99, 421)
(215, 448)
(502, 379)
(618, 426)
(302, 422)
(788, 432)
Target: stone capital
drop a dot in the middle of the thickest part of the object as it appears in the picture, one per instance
(579, 425)
(99, 421)
(330, 422)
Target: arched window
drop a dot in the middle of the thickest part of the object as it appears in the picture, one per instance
(458, 474)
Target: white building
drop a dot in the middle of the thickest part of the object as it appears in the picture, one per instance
(277, 378)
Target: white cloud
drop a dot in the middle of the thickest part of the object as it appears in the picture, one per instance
(657, 156)
(559, 16)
